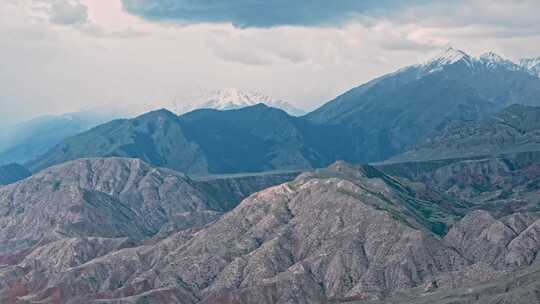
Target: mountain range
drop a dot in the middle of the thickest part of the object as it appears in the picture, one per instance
(394, 112)
(29, 140)
(198, 143)
(253, 205)
(390, 115)
(120, 231)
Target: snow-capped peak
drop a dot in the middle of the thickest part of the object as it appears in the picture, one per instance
(450, 56)
(532, 65)
(231, 98)
(487, 60)
(492, 57)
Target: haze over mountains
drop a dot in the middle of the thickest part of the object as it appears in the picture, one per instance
(28, 140)
(159, 208)
(390, 115)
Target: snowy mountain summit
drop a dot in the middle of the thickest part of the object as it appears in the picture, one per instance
(532, 65)
(454, 56)
(229, 99)
(450, 56)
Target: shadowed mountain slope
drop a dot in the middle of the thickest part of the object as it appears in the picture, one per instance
(394, 112)
(512, 130)
(252, 139)
(28, 140)
(373, 122)
(12, 173)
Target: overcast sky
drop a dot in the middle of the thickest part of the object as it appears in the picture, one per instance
(67, 55)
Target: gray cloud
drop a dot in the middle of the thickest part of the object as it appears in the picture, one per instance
(243, 56)
(257, 47)
(499, 17)
(68, 12)
(262, 13)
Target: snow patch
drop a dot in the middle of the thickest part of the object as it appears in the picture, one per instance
(453, 56)
(532, 65)
(230, 99)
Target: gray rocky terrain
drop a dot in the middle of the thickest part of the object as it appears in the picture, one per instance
(345, 233)
(99, 198)
(114, 198)
(502, 185)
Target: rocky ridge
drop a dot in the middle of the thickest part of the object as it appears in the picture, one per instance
(340, 234)
(512, 130)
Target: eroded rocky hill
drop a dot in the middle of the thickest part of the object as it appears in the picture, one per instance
(345, 233)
